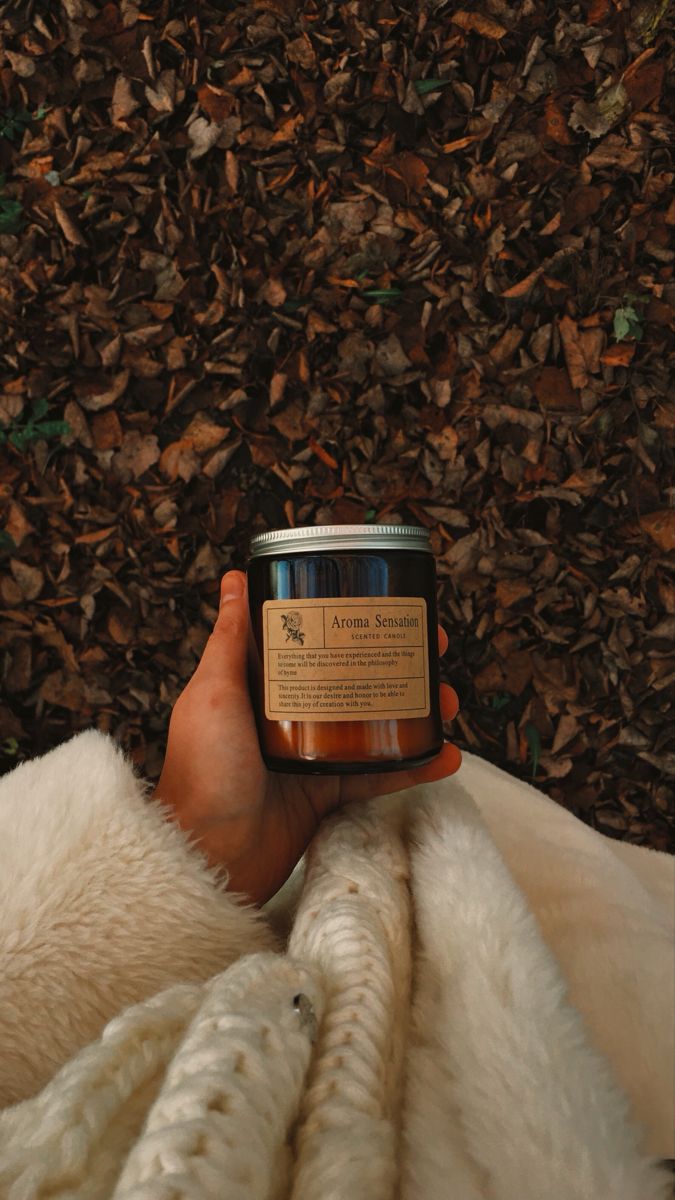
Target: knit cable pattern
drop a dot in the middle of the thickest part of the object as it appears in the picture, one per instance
(353, 927)
(220, 1123)
(70, 1139)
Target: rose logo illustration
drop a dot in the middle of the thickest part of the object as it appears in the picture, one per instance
(292, 624)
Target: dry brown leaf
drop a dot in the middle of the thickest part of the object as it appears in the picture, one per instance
(445, 443)
(554, 391)
(510, 591)
(220, 458)
(120, 626)
(93, 400)
(555, 125)
(301, 51)
(30, 580)
(106, 430)
(64, 689)
(274, 293)
(123, 102)
(180, 460)
(203, 136)
(205, 565)
(95, 536)
(17, 524)
(620, 355)
(291, 422)
(474, 22)
(661, 528)
(22, 64)
(139, 452)
(460, 143)
(71, 231)
(524, 286)
(574, 355)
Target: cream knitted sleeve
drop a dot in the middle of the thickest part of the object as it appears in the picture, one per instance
(103, 902)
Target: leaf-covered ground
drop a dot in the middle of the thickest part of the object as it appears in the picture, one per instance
(283, 262)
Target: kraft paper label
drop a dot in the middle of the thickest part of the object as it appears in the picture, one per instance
(362, 658)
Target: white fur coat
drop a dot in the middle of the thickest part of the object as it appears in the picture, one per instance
(467, 994)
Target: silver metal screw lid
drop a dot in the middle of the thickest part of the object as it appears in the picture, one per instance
(316, 539)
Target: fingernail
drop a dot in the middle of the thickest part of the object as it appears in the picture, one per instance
(232, 586)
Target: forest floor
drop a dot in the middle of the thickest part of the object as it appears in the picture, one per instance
(304, 262)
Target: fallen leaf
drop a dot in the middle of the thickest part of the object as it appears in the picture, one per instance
(274, 293)
(412, 170)
(554, 391)
(22, 64)
(17, 524)
(323, 454)
(95, 536)
(620, 355)
(555, 125)
(598, 117)
(162, 96)
(138, 453)
(460, 143)
(205, 565)
(204, 434)
(524, 286)
(510, 591)
(574, 357)
(70, 229)
(661, 528)
(123, 102)
(179, 460)
(120, 625)
(94, 400)
(30, 580)
(643, 81)
(444, 443)
(203, 136)
(301, 51)
(477, 23)
(106, 430)
(64, 689)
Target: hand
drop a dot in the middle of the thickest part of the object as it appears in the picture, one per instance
(254, 823)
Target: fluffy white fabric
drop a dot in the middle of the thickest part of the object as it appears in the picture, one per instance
(607, 911)
(497, 1050)
(103, 903)
(471, 1005)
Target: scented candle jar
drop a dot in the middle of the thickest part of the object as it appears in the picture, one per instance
(345, 673)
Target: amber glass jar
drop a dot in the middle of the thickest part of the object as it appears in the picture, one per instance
(345, 655)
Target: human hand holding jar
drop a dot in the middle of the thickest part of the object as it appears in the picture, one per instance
(318, 686)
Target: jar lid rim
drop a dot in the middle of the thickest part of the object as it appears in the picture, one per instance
(313, 538)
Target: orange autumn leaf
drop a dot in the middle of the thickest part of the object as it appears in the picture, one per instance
(215, 101)
(323, 454)
(383, 151)
(598, 11)
(345, 283)
(660, 526)
(574, 355)
(287, 130)
(460, 143)
(618, 356)
(510, 591)
(95, 536)
(523, 286)
(412, 170)
(555, 125)
(473, 22)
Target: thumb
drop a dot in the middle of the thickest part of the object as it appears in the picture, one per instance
(224, 660)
